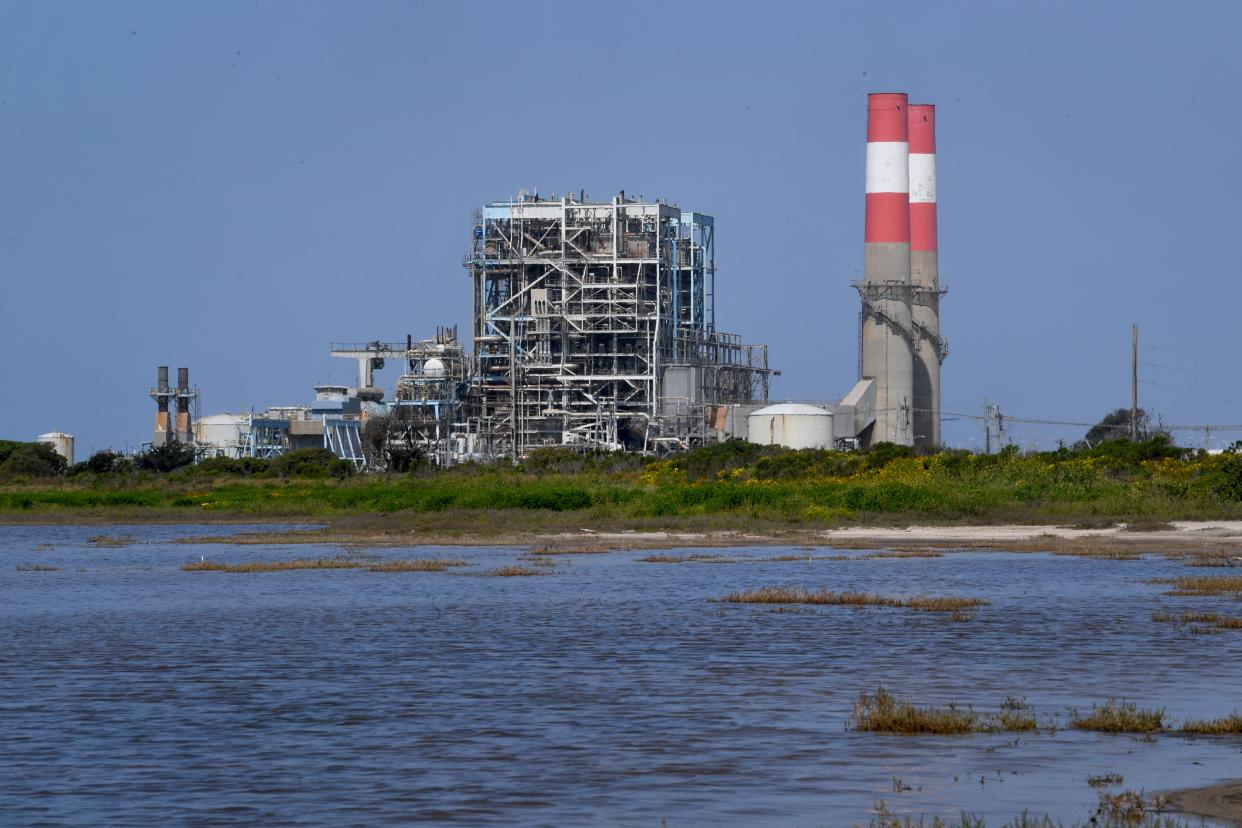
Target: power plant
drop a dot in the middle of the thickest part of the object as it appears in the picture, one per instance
(594, 328)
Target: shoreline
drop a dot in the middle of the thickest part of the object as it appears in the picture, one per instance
(1220, 801)
(1217, 539)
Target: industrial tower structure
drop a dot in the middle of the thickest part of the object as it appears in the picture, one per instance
(595, 325)
(900, 347)
(184, 402)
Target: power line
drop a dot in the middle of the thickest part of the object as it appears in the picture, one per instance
(1194, 371)
(1187, 353)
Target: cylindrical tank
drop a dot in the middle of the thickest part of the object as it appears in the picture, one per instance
(220, 430)
(792, 425)
(61, 442)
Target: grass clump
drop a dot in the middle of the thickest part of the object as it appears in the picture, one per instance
(882, 712)
(1125, 807)
(1188, 585)
(1230, 725)
(1214, 560)
(799, 595)
(556, 549)
(417, 565)
(696, 558)
(1104, 780)
(111, 541)
(514, 571)
(1113, 554)
(1186, 617)
(1203, 630)
(1015, 716)
(905, 553)
(1125, 810)
(1116, 716)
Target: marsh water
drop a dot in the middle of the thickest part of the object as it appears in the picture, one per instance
(609, 691)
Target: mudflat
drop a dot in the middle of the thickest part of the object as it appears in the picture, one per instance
(1221, 801)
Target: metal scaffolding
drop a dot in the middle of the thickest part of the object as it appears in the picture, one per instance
(595, 326)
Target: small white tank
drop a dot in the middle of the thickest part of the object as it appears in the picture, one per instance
(220, 430)
(61, 442)
(792, 425)
(433, 368)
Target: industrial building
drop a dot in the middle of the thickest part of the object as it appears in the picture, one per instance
(594, 327)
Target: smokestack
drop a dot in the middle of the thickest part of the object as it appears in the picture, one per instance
(184, 433)
(887, 353)
(925, 274)
(161, 394)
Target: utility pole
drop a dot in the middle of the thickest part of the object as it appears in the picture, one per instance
(987, 427)
(1134, 382)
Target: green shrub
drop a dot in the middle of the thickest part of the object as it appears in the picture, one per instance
(32, 460)
(309, 462)
(1228, 484)
(165, 458)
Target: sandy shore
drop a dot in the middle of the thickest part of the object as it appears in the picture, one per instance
(1218, 533)
(1220, 540)
(1222, 801)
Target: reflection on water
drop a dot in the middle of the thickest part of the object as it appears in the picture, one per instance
(611, 690)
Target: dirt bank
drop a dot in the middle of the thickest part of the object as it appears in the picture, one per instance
(1221, 801)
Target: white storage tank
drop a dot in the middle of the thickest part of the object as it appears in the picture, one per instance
(792, 425)
(222, 431)
(61, 442)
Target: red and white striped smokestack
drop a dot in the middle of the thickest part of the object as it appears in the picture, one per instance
(888, 170)
(922, 132)
(925, 273)
(886, 330)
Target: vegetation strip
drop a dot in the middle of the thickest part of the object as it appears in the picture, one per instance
(732, 485)
(1230, 725)
(1189, 585)
(882, 712)
(800, 595)
(412, 565)
(516, 572)
(1118, 717)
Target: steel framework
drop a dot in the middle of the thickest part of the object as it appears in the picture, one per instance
(595, 326)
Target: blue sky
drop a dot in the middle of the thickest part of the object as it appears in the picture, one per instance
(231, 186)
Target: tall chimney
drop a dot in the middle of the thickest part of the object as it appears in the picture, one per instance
(925, 275)
(887, 353)
(184, 433)
(161, 394)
